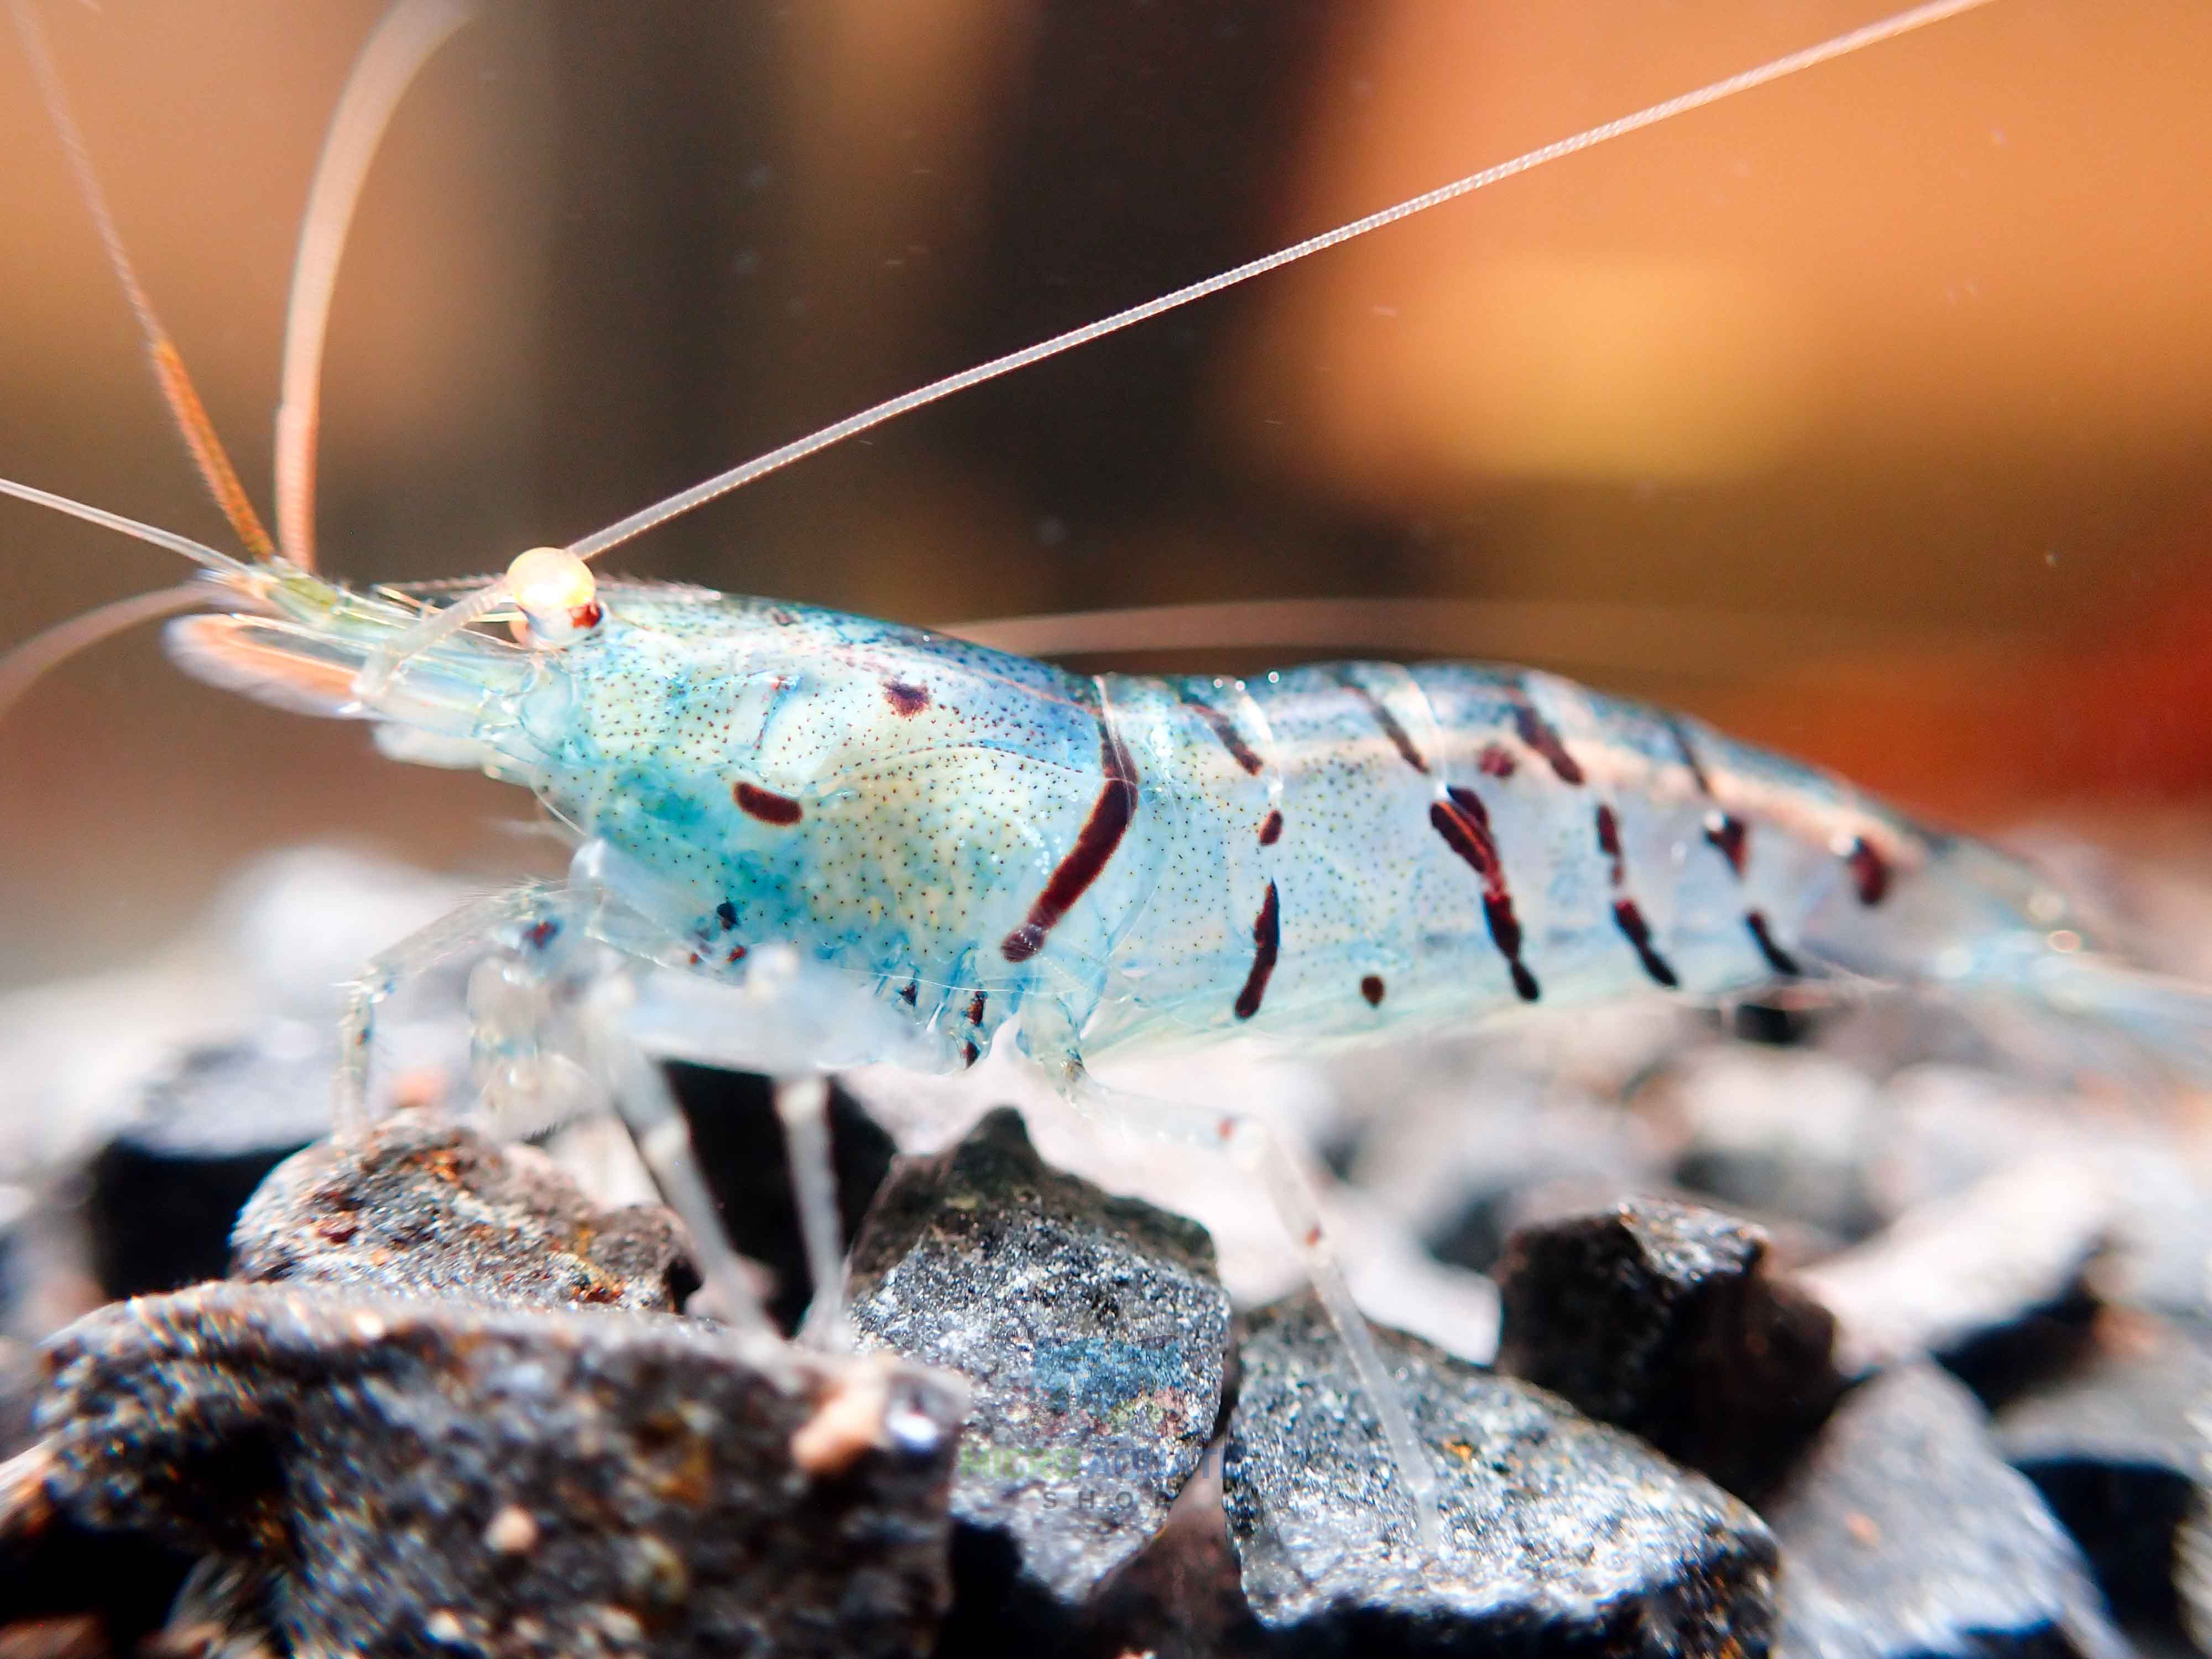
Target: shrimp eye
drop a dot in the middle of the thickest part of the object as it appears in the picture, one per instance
(557, 597)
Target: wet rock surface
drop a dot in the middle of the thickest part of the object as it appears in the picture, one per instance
(2119, 1449)
(420, 1205)
(1904, 1531)
(1093, 1331)
(1663, 1320)
(418, 1476)
(1568, 1536)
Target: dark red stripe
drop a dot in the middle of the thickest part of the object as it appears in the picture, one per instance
(1541, 736)
(1638, 932)
(1095, 842)
(1870, 870)
(1497, 760)
(1608, 842)
(1777, 959)
(975, 1010)
(1727, 833)
(1379, 712)
(766, 805)
(1225, 729)
(1464, 822)
(1267, 941)
(1270, 829)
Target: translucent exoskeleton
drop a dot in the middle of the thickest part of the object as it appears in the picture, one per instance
(805, 840)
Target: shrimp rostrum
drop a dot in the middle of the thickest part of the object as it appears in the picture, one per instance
(806, 840)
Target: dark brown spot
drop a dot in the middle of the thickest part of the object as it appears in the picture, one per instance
(1095, 842)
(908, 700)
(1870, 870)
(737, 954)
(542, 934)
(969, 1054)
(1464, 822)
(1638, 932)
(1271, 829)
(1540, 735)
(975, 1009)
(1777, 959)
(912, 993)
(1497, 760)
(1225, 730)
(766, 805)
(727, 913)
(1371, 988)
(1608, 842)
(1727, 833)
(1267, 940)
(1379, 712)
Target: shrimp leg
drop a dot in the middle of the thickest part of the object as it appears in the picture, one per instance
(1258, 1152)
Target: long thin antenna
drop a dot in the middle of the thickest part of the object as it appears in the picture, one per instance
(198, 552)
(177, 389)
(22, 668)
(1842, 45)
(409, 34)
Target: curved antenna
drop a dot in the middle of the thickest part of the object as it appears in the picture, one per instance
(198, 552)
(1795, 62)
(409, 34)
(177, 389)
(22, 668)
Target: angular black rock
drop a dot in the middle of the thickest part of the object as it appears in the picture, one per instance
(419, 1205)
(1093, 1330)
(164, 1191)
(738, 1140)
(1661, 1319)
(417, 1475)
(1569, 1537)
(2114, 1450)
(1904, 1533)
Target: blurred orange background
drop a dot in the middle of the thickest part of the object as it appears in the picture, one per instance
(1868, 414)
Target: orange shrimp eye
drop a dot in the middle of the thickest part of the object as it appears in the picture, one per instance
(556, 594)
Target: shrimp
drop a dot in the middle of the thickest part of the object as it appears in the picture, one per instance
(805, 840)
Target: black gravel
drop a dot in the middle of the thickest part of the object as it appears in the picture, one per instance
(1662, 1319)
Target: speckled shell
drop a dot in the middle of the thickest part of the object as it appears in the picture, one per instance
(1321, 853)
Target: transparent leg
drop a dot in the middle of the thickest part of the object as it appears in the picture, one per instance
(803, 1104)
(1257, 1151)
(464, 929)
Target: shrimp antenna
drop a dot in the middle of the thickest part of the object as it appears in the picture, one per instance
(465, 611)
(177, 389)
(22, 666)
(409, 34)
(1841, 46)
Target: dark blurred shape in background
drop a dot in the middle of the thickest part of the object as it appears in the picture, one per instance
(1899, 370)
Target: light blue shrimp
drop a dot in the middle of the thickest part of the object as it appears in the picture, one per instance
(783, 805)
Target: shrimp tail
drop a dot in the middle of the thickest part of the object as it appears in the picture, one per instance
(2169, 1019)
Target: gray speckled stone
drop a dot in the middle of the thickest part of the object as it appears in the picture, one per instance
(420, 1476)
(1904, 1533)
(1569, 1536)
(420, 1207)
(1093, 1330)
